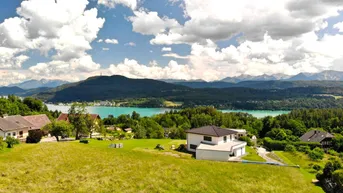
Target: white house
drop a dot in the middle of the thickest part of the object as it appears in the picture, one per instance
(240, 133)
(14, 126)
(214, 143)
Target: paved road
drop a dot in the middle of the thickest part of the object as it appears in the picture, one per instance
(263, 153)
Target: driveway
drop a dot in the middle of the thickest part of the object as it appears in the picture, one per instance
(263, 153)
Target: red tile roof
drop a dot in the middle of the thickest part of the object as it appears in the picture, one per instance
(64, 117)
(38, 121)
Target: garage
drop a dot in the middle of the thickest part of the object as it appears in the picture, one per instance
(203, 154)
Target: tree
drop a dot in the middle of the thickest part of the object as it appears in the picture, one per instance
(135, 115)
(78, 118)
(59, 128)
(290, 148)
(34, 104)
(11, 142)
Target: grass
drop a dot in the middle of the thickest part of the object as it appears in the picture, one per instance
(303, 161)
(172, 104)
(252, 155)
(93, 167)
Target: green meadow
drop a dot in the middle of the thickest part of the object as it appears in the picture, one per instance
(94, 167)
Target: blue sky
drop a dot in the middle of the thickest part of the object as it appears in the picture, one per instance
(209, 39)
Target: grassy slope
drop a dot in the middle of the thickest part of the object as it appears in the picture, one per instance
(252, 155)
(75, 167)
(303, 161)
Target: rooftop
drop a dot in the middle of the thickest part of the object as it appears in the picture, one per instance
(38, 121)
(315, 136)
(211, 131)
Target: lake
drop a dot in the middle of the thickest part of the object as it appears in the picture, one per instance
(116, 111)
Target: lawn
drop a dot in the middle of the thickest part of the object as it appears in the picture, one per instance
(252, 155)
(303, 161)
(93, 167)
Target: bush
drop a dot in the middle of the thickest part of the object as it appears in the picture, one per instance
(317, 167)
(182, 148)
(85, 141)
(332, 152)
(304, 148)
(159, 147)
(11, 142)
(316, 154)
(246, 139)
(290, 148)
(281, 145)
(34, 136)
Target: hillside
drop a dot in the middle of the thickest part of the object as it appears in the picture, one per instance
(110, 87)
(10, 90)
(93, 167)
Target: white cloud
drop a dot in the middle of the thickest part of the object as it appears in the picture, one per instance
(339, 26)
(174, 55)
(222, 20)
(149, 23)
(132, 69)
(105, 49)
(8, 77)
(100, 40)
(132, 44)
(111, 41)
(65, 27)
(166, 49)
(132, 4)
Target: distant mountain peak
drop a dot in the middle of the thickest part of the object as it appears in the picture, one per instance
(32, 84)
(328, 75)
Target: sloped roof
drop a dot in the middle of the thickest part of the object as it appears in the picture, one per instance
(211, 131)
(19, 120)
(64, 116)
(38, 121)
(6, 125)
(315, 136)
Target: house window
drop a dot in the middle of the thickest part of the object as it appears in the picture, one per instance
(8, 134)
(225, 139)
(21, 133)
(14, 134)
(193, 146)
(206, 138)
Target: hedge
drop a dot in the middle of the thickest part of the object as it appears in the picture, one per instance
(271, 144)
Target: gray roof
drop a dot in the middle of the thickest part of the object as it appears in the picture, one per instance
(19, 120)
(6, 125)
(315, 136)
(211, 131)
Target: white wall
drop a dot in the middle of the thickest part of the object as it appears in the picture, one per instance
(25, 133)
(2, 134)
(197, 139)
(212, 155)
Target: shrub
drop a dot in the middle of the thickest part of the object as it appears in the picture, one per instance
(85, 141)
(332, 152)
(290, 148)
(182, 148)
(11, 142)
(304, 148)
(34, 136)
(281, 145)
(316, 154)
(246, 139)
(317, 167)
(338, 176)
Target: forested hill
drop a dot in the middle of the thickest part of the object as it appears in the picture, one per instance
(111, 87)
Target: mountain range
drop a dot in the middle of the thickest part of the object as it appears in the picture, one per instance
(328, 75)
(43, 83)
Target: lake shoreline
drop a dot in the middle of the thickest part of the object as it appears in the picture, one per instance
(105, 111)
